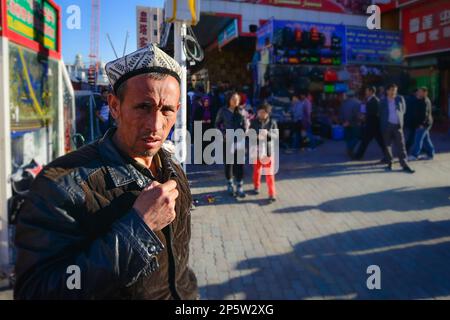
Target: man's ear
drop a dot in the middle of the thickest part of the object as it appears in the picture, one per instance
(178, 106)
(114, 105)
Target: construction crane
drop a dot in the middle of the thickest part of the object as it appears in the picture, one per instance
(94, 49)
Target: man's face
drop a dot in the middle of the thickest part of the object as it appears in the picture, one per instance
(421, 93)
(392, 92)
(262, 114)
(234, 100)
(147, 113)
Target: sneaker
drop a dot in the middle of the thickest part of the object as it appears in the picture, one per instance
(412, 158)
(256, 191)
(389, 167)
(240, 189)
(428, 158)
(241, 193)
(408, 169)
(272, 199)
(230, 190)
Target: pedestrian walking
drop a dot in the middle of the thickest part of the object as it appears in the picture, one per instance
(203, 116)
(231, 118)
(372, 128)
(102, 113)
(267, 130)
(424, 116)
(349, 116)
(392, 112)
(301, 106)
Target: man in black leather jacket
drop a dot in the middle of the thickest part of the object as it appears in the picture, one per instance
(112, 219)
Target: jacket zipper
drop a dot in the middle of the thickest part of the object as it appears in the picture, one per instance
(172, 265)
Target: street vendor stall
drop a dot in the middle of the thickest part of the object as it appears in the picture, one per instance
(323, 61)
(36, 96)
(299, 57)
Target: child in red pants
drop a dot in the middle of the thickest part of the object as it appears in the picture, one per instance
(267, 131)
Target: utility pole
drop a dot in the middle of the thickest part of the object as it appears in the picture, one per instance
(181, 13)
(181, 124)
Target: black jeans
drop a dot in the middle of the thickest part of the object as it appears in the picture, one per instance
(371, 131)
(393, 134)
(234, 169)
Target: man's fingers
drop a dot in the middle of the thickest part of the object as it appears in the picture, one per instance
(174, 194)
(169, 185)
(152, 185)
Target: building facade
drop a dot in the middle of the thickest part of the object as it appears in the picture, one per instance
(148, 25)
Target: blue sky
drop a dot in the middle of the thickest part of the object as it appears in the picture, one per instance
(116, 18)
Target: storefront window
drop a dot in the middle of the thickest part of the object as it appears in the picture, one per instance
(33, 106)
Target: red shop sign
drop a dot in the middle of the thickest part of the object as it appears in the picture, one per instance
(426, 27)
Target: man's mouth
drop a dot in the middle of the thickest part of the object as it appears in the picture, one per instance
(152, 142)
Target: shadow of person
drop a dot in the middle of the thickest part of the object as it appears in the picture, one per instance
(413, 257)
(397, 200)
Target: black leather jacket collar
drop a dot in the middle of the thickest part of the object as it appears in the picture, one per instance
(123, 172)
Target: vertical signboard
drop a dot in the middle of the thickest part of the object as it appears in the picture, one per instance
(143, 26)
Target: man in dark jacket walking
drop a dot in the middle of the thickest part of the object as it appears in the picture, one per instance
(112, 219)
(424, 122)
(372, 129)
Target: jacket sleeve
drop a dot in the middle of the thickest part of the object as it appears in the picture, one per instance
(402, 105)
(57, 260)
(273, 133)
(428, 114)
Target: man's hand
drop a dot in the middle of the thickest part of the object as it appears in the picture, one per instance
(156, 204)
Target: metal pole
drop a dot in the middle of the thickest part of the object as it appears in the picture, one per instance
(181, 125)
(5, 152)
(60, 124)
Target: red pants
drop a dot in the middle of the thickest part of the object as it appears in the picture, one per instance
(270, 178)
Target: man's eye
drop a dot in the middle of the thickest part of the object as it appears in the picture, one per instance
(167, 110)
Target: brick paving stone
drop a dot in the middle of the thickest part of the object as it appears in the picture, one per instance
(333, 219)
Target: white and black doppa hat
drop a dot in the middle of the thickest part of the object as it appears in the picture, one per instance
(145, 60)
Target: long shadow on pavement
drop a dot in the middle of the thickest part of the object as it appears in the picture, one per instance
(414, 258)
(397, 200)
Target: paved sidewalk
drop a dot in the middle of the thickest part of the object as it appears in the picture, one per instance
(332, 220)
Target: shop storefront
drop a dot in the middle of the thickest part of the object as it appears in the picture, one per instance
(324, 61)
(426, 26)
(36, 96)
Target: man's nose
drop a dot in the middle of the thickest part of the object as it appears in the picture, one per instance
(154, 121)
